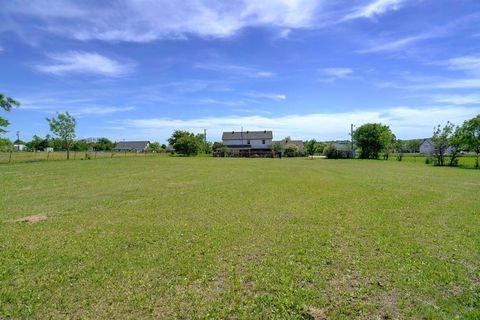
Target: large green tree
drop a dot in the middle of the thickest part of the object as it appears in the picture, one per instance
(104, 144)
(63, 126)
(186, 145)
(469, 134)
(6, 103)
(441, 142)
(372, 139)
(311, 147)
(184, 142)
(177, 134)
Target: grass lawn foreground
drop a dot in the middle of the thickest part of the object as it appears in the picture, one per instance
(170, 237)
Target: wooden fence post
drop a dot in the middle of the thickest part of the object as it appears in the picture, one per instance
(10, 157)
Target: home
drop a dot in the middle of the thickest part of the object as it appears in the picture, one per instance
(133, 146)
(427, 147)
(248, 143)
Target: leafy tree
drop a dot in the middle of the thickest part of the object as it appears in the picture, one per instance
(35, 143)
(64, 127)
(373, 138)
(81, 145)
(277, 147)
(311, 147)
(469, 134)
(399, 148)
(217, 146)
(203, 145)
(155, 147)
(186, 145)
(291, 150)
(330, 151)
(177, 134)
(5, 145)
(6, 103)
(390, 142)
(455, 143)
(441, 141)
(104, 144)
(413, 146)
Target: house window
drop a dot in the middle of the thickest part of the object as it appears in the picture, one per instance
(248, 141)
(263, 141)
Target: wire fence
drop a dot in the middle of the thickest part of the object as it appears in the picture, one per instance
(467, 161)
(27, 156)
(464, 160)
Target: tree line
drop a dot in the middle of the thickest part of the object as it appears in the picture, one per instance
(372, 140)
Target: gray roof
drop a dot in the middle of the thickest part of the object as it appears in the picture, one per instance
(247, 135)
(298, 143)
(428, 140)
(132, 145)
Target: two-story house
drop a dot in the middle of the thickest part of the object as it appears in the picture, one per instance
(248, 143)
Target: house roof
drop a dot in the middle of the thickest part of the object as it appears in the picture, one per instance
(298, 143)
(247, 135)
(131, 145)
(427, 140)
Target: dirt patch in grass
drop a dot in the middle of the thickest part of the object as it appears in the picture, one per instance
(316, 313)
(32, 219)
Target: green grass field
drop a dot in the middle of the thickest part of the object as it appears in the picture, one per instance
(169, 237)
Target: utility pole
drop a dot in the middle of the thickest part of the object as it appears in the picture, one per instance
(205, 136)
(351, 137)
(18, 135)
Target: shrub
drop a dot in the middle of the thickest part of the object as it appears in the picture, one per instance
(291, 150)
(331, 152)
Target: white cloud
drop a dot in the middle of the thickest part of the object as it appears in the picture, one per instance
(374, 8)
(84, 62)
(333, 74)
(235, 70)
(405, 122)
(148, 20)
(90, 111)
(469, 64)
(458, 99)
(386, 45)
(266, 95)
(79, 111)
(397, 44)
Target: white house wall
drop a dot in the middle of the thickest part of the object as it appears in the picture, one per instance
(255, 143)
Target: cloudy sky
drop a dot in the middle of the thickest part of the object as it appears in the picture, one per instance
(138, 69)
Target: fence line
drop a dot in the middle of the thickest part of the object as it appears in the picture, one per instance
(28, 156)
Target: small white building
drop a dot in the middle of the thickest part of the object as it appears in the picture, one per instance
(19, 147)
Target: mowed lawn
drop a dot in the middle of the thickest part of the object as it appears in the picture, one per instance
(167, 237)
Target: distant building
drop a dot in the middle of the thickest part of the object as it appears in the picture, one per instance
(134, 146)
(285, 142)
(19, 147)
(427, 147)
(248, 143)
(91, 140)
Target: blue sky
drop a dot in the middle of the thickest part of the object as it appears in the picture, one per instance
(139, 69)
